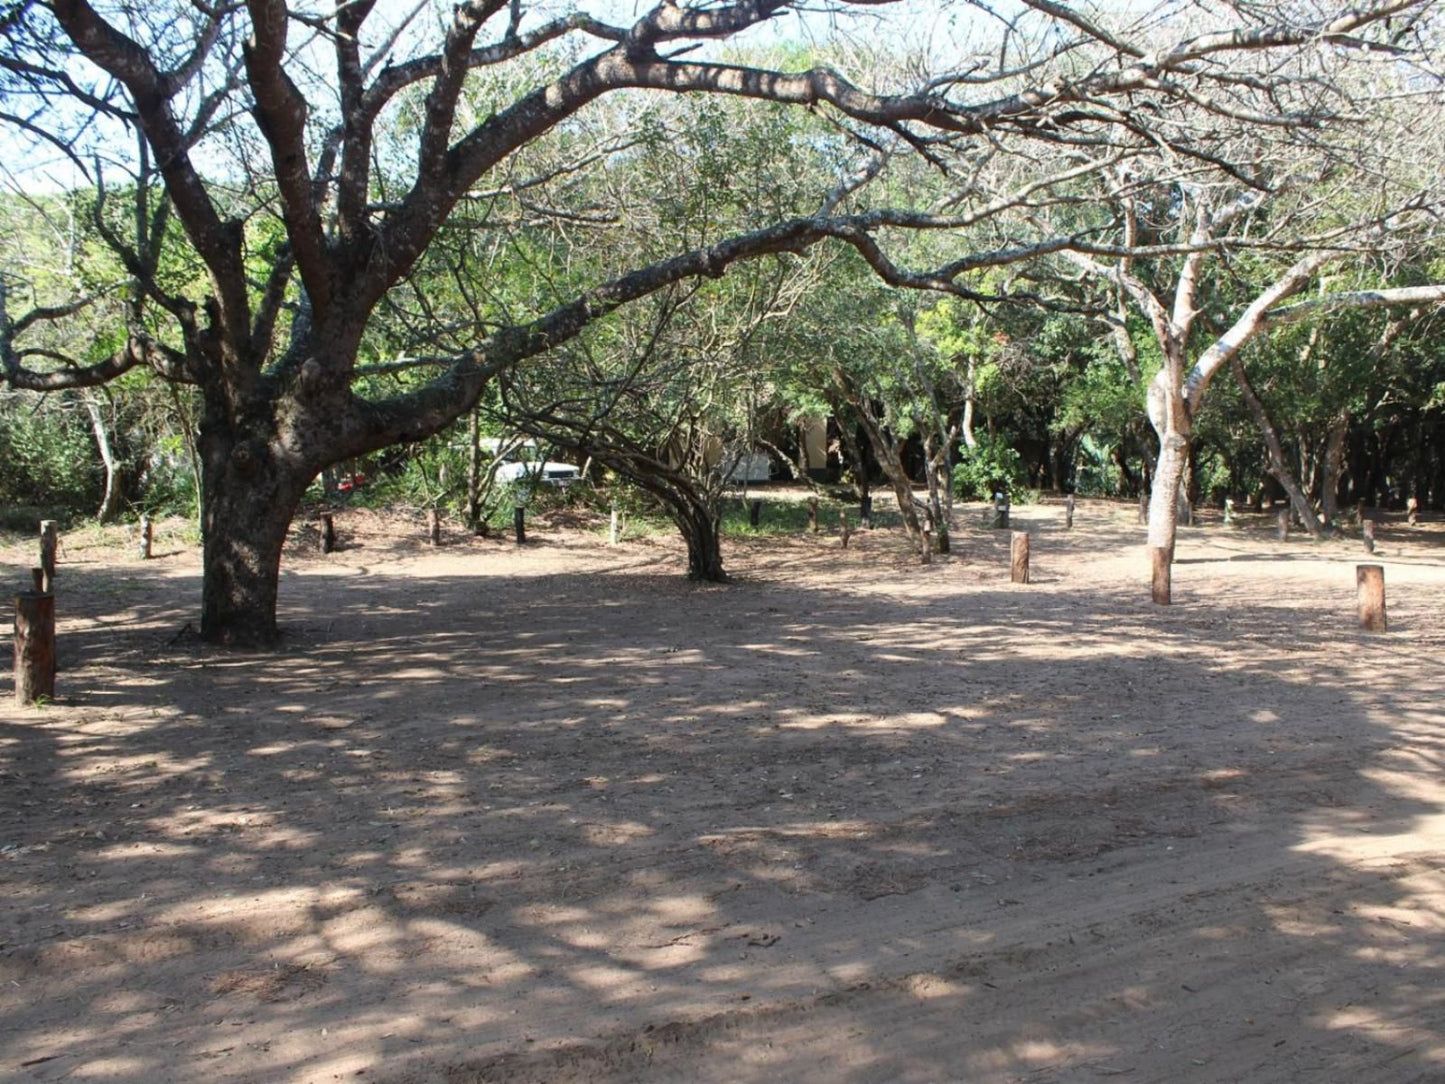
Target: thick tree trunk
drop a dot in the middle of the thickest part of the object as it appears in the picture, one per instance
(249, 496)
(702, 530)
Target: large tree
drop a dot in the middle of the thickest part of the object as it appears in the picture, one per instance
(310, 155)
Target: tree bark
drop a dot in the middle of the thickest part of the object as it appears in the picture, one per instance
(49, 542)
(474, 472)
(249, 497)
(1161, 581)
(702, 530)
(34, 647)
(1332, 468)
(1370, 588)
(966, 425)
(110, 501)
(1276, 463)
(1019, 557)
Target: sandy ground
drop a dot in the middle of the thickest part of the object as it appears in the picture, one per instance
(555, 814)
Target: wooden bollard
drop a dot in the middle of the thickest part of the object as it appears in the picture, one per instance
(34, 647)
(1229, 511)
(1000, 511)
(1367, 533)
(613, 532)
(1019, 556)
(147, 537)
(433, 527)
(1412, 512)
(49, 540)
(813, 514)
(845, 531)
(519, 523)
(1069, 512)
(328, 532)
(755, 511)
(1161, 560)
(865, 512)
(1370, 588)
(1281, 524)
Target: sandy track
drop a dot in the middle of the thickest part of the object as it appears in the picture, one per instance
(555, 814)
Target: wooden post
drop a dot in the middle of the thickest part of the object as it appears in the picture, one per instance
(1019, 556)
(1229, 511)
(813, 514)
(328, 532)
(1412, 511)
(49, 539)
(612, 534)
(1000, 511)
(847, 532)
(1367, 532)
(1161, 559)
(34, 647)
(755, 510)
(519, 522)
(865, 513)
(926, 548)
(1370, 587)
(147, 536)
(37, 581)
(433, 527)
(1281, 526)
(1069, 512)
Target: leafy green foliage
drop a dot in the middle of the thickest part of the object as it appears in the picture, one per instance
(987, 468)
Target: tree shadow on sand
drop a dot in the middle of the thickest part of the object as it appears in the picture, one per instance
(614, 826)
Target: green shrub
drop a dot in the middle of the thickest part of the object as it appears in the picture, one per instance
(990, 466)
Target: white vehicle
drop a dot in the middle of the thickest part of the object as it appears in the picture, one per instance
(522, 462)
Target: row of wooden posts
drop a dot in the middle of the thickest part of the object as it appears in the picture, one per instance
(35, 667)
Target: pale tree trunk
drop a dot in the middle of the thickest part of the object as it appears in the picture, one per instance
(110, 502)
(1276, 463)
(1170, 416)
(966, 426)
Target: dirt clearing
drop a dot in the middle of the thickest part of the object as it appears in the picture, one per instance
(551, 813)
